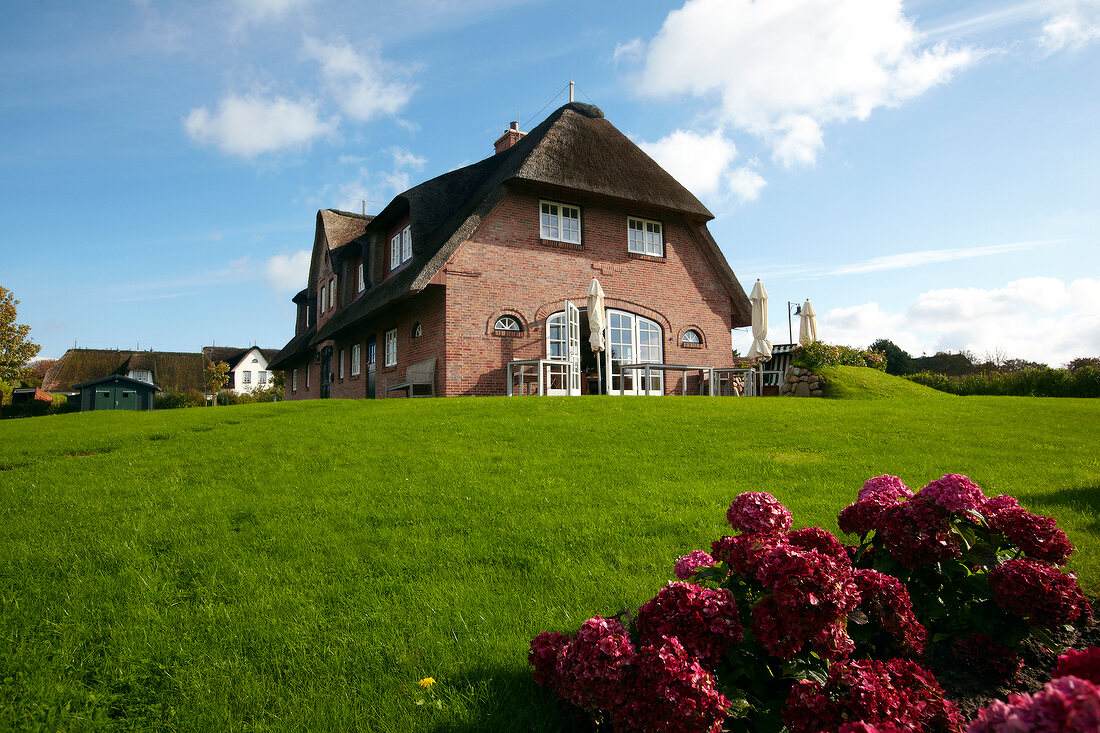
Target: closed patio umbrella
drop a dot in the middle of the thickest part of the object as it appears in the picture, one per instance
(761, 349)
(596, 325)
(807, 325)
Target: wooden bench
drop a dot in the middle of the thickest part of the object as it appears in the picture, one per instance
(420, 374)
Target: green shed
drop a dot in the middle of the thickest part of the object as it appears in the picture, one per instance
(116, 392)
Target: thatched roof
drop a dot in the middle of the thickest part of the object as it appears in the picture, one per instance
(574, 148)
(232, 355)
(171, 370)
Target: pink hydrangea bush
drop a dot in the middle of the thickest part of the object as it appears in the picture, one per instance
(1083, 663)
(884, 695)
(886, 626)
(592, 668)
(758, 512)
(692, 563)
(971, 564)
(670, 691)
(704, 620)
(1064, 705)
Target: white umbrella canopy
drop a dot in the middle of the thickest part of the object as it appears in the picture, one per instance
(761, 348)
(595, 315)
(596, 325)
(807, 325)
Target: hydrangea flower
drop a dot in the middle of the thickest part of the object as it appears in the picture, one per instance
(888, 608)
(815, 538)
(703, 619)
(1064, 705)
(917, 532)
(1036, 535)
(741, 553)
(891, 695)
(689, 564)
(955, 493)
(1038, 592)
(1084, 664)
(886, 486)
(670, 692)
(758, 512)
(994, 506)
(863, 516)
(594, 664)
(545, 649)
(987, 658)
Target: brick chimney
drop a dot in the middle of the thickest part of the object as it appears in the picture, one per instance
(510, 137)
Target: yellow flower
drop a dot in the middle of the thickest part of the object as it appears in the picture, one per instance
(426, 683)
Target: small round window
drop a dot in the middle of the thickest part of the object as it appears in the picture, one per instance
(507, 323)
(418, 331)
(692, 337)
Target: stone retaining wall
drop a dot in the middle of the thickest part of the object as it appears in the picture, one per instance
(799, 382)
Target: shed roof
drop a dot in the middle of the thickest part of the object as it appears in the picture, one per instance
(118, 379)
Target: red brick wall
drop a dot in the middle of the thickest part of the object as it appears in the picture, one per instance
(506, 268)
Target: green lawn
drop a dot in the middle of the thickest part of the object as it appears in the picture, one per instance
(301, 566)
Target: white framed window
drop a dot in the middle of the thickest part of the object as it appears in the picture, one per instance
(324, 295)
(307, 377)
(293, 380)
(332, 293)
(645, 237)
(356, 355)
(418, 330)
(341, 367)
(507, 323)
(559, 222)
(142, 375)
(391, 347)
(555, 336)
(263, 377)
(691, 337)
(362, 280)
(246, 377)
(401, 248)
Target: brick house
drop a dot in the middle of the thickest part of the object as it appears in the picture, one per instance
(475, 268)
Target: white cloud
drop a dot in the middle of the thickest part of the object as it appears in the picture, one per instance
(632, 50)
(248, 126)
(362, 84)
(376, 187)
(1041, 319)
(704, 164)
(267, 9)
(403, 158)
(288, 272)
(1073, 25)
(782, 69)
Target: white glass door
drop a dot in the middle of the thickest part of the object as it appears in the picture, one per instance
(633, 339)
(573, 348)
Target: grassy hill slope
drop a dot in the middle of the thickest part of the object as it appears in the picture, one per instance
(302, 565)
(861, 383)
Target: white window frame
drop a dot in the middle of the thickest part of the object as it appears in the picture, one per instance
(340, 368)
(142, 375)
(645, 237)
(362, 280)
(418, 330)
(406, 244)
(263, 377)
(693, 337)
(356, 357)
(246, 377)
(395, 251)
(624, 322)
(391, 347)
(307, 376)
(332, 293)
(502, 324)
(552, 222)
(293, 380)
(324, 294)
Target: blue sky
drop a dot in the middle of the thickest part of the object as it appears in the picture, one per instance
(923, 171)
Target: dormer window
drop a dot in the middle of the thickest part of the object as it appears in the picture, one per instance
(401, 248)
(142, 375)
(324, 292)
(559, 222)
(362, 280)
(645, 237)
(332, 293)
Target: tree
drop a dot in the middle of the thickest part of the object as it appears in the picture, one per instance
(217, 376)
(15, 348)
(36, 371)
(1083, 361)
(278, 380)
(898, 361)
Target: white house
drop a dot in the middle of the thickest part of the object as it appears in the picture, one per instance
(248, 370)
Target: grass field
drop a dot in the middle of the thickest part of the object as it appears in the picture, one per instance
(301, 566)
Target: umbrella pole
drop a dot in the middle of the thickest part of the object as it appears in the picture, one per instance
(599, 373)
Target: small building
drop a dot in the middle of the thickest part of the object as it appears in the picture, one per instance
(248, 370)
(117, 392)
(24, 395)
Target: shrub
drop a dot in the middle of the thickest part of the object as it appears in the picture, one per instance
(818, 354)
(1066, 705)
(971, 564)
(175, 399)
(1083, 381)
(766, 608)
(5, 393)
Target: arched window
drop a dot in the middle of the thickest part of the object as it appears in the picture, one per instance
(507, 323)
(418, 330)
(691, 337)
